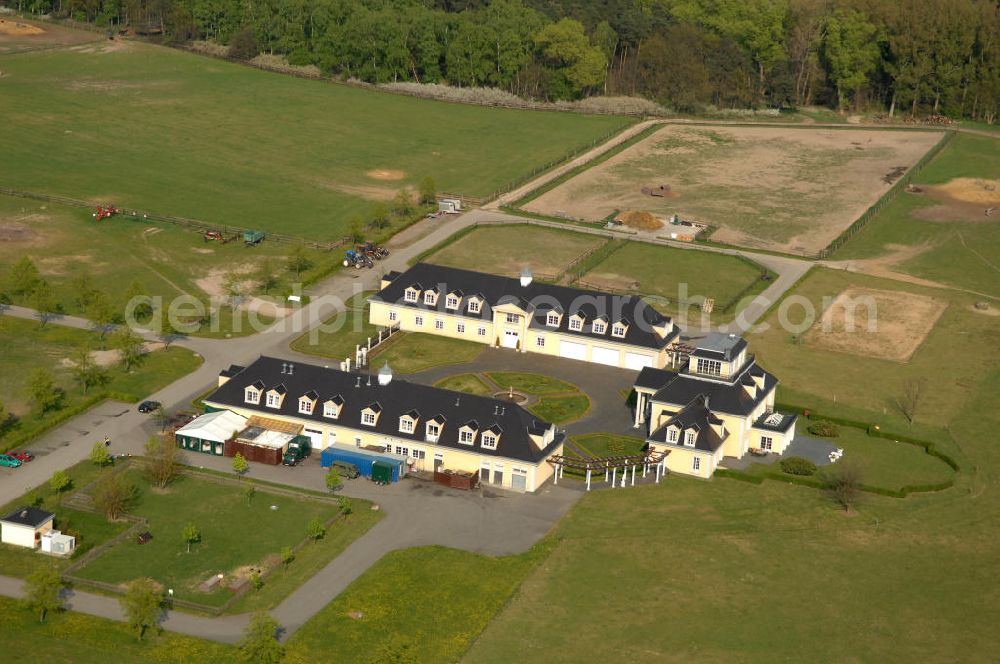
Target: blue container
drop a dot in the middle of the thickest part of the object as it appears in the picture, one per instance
(363, 459)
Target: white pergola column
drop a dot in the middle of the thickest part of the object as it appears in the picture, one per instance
(588, 479)
(639, 409)
(555, 474)
(614, 472)
(633, 475)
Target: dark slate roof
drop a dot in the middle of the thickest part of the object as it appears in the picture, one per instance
(778, 422)
(231, 371)
(29, 516)
(724, 396)
(719, 346)
(399, 397)
(697, 416)
(536, 298)
(652, 378)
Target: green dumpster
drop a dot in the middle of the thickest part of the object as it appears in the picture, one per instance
(381, 473)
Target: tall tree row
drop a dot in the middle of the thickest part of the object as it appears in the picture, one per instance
(897, 56)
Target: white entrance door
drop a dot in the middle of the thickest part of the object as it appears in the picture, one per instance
(637, 361)
(603, 355)
(572, 350)
(509, 339)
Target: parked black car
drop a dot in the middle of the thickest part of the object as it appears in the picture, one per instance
(148, 406)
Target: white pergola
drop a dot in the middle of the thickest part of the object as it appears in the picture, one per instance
(654, 462)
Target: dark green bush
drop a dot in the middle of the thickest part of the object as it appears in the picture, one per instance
(798, 466)
(824, 428)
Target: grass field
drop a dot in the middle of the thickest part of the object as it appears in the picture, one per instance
(530, 383)
(679, 276)
(84, 639)
(417, 605)
(791, 190)
(562, 409)
(66, 244)
(413, 352)
(468, 383)
(607, 444)
(937, 235)
(27, 347)
(339, 335)
(507, 249)
(234, 535)
(264, 150)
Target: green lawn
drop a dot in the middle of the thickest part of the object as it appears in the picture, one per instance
(468, 383)
(89, 529)
(507, 249)
(263, 150)
(884, 463)
(233, 534)
(417, 605)
(561, 410)
(83, 639)
(609, 444)
(27, 347)
(530, 383)
(167, 261)
(960, 254)
(414, 352)
(679, 276)
(338, 336)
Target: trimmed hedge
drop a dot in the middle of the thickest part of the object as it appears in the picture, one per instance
(823, 429)
(798, 466)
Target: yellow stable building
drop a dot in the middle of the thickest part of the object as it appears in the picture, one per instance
(524, 315)
(432, 428)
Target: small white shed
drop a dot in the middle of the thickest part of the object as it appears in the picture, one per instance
(25, 527)
(58, 544)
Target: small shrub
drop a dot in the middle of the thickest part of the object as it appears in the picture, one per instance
(824, 429)
(798, 466)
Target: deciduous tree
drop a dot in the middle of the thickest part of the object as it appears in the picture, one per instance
(240, 465)
(298, 262)
(42, 589)
(43, 391)
(315, 529)
(190, 535)
(260, 640)
(99, 455)
(113, 496)
(163, 461)
(86, 371)
(129, 345)
(142, 605)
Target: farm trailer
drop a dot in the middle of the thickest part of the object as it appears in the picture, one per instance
(371, 464)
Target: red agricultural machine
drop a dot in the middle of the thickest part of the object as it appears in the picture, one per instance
(105, 211)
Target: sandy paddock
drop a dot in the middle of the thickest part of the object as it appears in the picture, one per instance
(16, 34)
(785, 189)
(961, 199)
(889, 325)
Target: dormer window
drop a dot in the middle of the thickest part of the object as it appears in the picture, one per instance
(251, 395)
(405, 425)
(689, 438)
(331, 409)
(451, 302)
(671, 435)
(273, 400)
(305, 406)
(599, 327)
(467, 433)
(619, 329)
(369, 415)
(489, 441)
(576, 323)
(432, 431)
(411, 294)
(430, 298)
(708, 367)
(475, 305)
(552, 319)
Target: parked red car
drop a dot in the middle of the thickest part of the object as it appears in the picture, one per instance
(22, 455)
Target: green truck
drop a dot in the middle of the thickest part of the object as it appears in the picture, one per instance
(298, 449)
(253, 238)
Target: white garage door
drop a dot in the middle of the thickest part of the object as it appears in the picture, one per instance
(509, 339)
(572, 350)
(637, 361)
(316, 436)
(603, 355)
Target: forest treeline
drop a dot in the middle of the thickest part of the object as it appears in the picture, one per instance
(898, 56)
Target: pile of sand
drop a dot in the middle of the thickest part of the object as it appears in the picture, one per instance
(19, 29)
(385, 174)
(643, 221)
(969, 190)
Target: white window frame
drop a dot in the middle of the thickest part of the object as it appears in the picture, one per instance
(273, 400)
(418, 321)
(513, 319)
(576, 324)
(251, 395)
(475, 306)
(466, 436)
(411, 295)
(696, 463)
(305, 406)
(481, 332)
(460, 328)
(766, 443)
(489, 441)
(689, 438)
(618, 330)
(708, 367)
(451, 302)
(438, 323)
(402, 451)
(671, 435)
(406, 425)
(368, 418)
(433, 431)
(392, 315)
(599, 327)
(430, 298)
(540, 341)
(552, 319)
(331, 410)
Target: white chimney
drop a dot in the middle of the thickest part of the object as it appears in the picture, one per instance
(385, 375)
(525, 277)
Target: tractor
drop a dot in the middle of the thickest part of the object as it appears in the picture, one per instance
(373, 250)
(105, 211)
(357, 259)
(212, 235)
